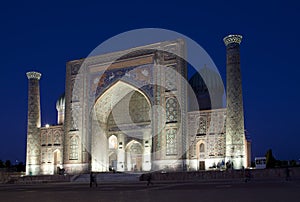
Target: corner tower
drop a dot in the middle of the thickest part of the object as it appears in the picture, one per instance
(235, 134)
(33, 124)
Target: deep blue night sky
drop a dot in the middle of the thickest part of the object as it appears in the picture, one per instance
(43, 37)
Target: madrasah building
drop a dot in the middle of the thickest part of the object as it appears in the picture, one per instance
(135, 111)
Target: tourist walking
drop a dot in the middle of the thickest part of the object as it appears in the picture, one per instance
(93, 179)
(149, 179)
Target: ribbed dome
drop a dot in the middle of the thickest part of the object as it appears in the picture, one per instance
(212, 79)
(200, 88)
(60, 103)
(197, 83)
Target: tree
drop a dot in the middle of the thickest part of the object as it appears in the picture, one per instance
(270, 160)
(20, 167)
(7, 164)
(1, 164)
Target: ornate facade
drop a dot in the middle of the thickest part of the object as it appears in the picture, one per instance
(131, 111)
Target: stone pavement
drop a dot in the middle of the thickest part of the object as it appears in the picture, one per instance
(237, 190)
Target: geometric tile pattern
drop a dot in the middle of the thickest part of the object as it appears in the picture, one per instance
(171, 110)
(74, 148)
(200, 130)
(170, 78)
(171, 142)
(33, 124)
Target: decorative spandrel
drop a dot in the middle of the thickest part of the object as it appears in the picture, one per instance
(140, 75)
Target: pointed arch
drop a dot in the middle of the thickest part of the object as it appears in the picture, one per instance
(200, 149)
(105, 102)
(129, 144)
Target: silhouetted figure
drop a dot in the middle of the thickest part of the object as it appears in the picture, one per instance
(228, 165)
(93, 179)
(287, 174)
(247, 175)
(149, 179)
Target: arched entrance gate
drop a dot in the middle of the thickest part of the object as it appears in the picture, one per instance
(121, 131)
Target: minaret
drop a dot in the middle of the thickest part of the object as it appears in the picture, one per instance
(33, 124)
(235, 134)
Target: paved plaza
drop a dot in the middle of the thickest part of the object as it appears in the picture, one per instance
(267, 190)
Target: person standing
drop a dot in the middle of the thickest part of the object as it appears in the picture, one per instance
(287, 174)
